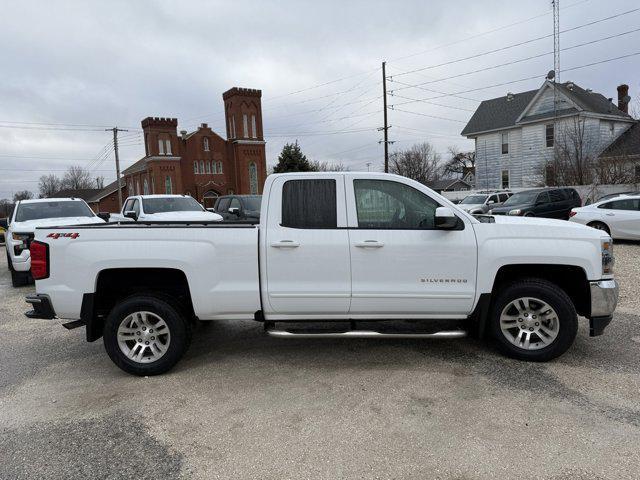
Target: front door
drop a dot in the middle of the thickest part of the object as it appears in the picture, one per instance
(306, 249)
(401, 264)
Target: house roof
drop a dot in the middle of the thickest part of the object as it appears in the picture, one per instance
(136, 166)
(499, 113)
(445, 183)
(83, 193)
(101, 193)
(627, 144)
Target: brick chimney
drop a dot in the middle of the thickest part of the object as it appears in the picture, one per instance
(623, 98)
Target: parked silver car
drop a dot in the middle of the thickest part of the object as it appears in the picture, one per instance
(480, 203)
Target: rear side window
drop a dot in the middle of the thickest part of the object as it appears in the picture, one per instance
(503, 197)
(557, 196)
(626, 204)
(309, 204)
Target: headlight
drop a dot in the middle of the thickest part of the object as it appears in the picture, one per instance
(22, 239)
(490, 212)
(607, 256)
(516, 211)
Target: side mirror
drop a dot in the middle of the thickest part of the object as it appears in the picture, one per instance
(445, 218)
(131, 214)
(490, 202)
(4, 223)
(212, 210)
(104, 216)
(234, 211)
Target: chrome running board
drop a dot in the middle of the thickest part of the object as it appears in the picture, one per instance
(445, 334)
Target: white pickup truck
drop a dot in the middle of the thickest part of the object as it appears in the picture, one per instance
(334, 255)
(163, 208)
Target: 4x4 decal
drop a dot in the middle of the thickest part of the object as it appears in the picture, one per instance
(65, 235)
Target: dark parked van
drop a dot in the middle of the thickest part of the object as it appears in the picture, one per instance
(543, 202)
(239, 207)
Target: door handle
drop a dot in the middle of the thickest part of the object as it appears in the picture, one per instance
(369, 244)
(285, 244)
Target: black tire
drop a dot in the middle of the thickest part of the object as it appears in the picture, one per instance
(19, 279)
(556, 298)
(179, 329)
(600, 226)
(9, 262)
(529, 214)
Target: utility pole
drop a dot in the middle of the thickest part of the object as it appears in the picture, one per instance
(115, 131)
(386, 126)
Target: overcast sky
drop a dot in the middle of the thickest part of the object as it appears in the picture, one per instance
(99, 64)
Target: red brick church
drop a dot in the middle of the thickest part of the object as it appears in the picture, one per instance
(202, 163)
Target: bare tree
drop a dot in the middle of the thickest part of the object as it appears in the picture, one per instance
(574, 157)
(319, 166)
(22, 195)
(420, 162)
(49, 185)
(459, 162)
(6, 207)
(100, 182)
(77, 178)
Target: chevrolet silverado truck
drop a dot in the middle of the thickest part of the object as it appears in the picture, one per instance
(334, 255)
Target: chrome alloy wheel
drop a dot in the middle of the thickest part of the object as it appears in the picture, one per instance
(529, 323)
(143, 337)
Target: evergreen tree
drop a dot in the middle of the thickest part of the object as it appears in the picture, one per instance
(292, 159)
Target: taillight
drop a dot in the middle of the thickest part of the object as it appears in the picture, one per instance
(572, 213)
(39, 260)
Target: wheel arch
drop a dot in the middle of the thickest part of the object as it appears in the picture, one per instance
(115, 284)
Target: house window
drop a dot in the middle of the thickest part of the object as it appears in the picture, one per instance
(195, 167)
(253, 179)
(233, 126)
(219, 167)
(201, 166)
(153, 185)
(167, 146)
(145, 185)
(213, 167)
(254, 132)
(612, 128)
(505, 178)
(168, 187)
(164, 146)
(505, 143)
(206, 144)
(161, 146)
(549, 134)
(208, 167)
(146, 143)
(245, 125)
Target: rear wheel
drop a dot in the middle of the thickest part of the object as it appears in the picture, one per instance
(146, 335)
(529, 214)
(600, 226)
(533, 320)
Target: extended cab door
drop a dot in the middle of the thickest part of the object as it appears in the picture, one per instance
(307, 247)
(401, 264)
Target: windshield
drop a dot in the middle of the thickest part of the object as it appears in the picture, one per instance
(473, 199)
(253, 203)
(40, 210)
(170, 204)
(522, 198)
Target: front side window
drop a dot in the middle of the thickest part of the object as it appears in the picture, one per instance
(309, 204)
(253, 179)
(384, 204)
(543, 198)
(136, 207)
(626, 204)
(505, 143)
(557, 196)
(549, 134)
(505, 178)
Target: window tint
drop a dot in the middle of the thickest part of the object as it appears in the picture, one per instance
(136, 206)
(309, 204)
(235, 203)
(384, 204)
(542, 198)
(493, 198)
(626, 204)
(503, 197)
(223, 204)
(557, 196)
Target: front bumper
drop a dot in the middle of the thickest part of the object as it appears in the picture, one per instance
(604, 298)
(42, 307)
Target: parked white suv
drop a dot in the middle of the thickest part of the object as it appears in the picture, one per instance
(30, 214)
(165, 208)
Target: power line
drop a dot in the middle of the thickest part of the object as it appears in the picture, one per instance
(426, 115)
(513, 45)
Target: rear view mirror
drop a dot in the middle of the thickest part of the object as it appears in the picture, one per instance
(445, 218)
(4, 223)
(490, 202)
(131, 214)
(212, 210)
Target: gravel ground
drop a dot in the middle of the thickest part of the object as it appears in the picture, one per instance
(243, 405)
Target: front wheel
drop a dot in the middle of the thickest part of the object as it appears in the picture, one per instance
(599, 226)
(533, 320)
(146, 335)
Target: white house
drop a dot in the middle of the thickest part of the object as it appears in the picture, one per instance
(515, 134)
